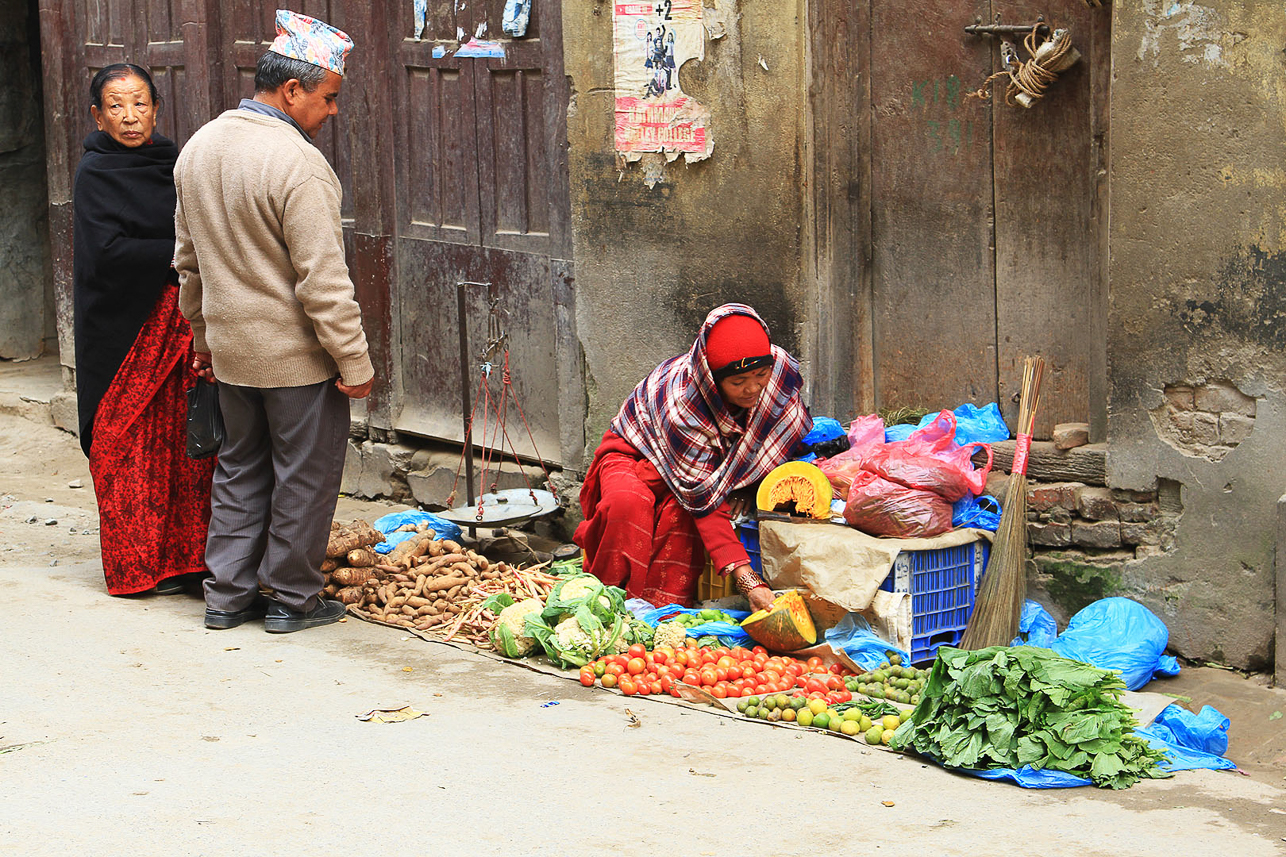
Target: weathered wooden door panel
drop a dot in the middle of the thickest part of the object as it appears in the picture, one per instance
(479, 198)
(430, 340)
(933, 283)
(1047, 162)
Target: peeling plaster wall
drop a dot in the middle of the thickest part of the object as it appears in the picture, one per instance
(651, 262)
(1198, 303)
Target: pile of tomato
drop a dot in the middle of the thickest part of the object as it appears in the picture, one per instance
(724, 673)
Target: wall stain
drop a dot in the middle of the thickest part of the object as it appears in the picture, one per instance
(1249, 302)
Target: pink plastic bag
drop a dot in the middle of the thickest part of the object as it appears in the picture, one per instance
(931, 460)
(883, 508)
(864, 435)
(865, 432)
(840, 470)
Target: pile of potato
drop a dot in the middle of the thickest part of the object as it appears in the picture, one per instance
(423, 583)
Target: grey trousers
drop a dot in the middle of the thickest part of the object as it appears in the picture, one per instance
(274, 493)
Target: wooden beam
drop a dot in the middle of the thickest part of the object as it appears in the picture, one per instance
(1047, 463)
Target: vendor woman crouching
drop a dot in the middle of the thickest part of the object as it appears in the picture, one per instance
(698, 427)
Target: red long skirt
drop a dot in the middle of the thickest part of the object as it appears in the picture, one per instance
(638, 536)
(153, 501)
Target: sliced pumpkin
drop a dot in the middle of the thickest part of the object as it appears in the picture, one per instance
(784, 627)
(796, 484)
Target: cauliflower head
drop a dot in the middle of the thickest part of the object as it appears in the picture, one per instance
(572, 639)
(578, 587)
(509, 635)
(671, 634)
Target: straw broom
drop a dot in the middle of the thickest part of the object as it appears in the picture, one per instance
(999, 604)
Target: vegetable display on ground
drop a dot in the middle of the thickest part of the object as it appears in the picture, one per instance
(724, 673)
(1027, 707)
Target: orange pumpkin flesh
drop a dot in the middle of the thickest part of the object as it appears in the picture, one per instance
(798, 483)
(784, 627)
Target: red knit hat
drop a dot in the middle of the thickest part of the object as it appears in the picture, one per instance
(735, 344)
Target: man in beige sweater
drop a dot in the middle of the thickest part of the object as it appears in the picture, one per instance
(260, 258)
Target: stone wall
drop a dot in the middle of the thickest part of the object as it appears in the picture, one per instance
(1196, 340)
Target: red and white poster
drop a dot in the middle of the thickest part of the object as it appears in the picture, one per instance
(653, 40)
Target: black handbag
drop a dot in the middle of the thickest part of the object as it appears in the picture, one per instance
(205, 420)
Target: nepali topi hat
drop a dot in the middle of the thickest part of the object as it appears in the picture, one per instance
(315, 42)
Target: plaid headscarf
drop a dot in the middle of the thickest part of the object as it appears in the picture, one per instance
(676, 418)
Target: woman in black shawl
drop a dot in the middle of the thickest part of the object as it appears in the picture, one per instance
(133, 348)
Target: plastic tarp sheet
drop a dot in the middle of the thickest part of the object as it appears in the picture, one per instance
(388, 524)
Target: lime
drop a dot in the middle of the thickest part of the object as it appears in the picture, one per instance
(805, 717)
(817, 706)
(891, 721)
(788, 714)
(915, 699)
(764, 713)
(752, 711)
(742, 705)
(821, 720)
(852, 714)
(774, 715)
(754, 700)
(864, 723)
(874, 734)
(876, 692)
(780, 701)
(798, 702)
(904, 715)
(835, 724)
(886, 737)
(849, 727)
(895, 659)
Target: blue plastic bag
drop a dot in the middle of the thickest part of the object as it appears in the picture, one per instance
(854, 636)
(1119, 634)
(1191, 740)
(733, 635)
(1036, 627)
(981, 512)
(442, 528)
(973, 425)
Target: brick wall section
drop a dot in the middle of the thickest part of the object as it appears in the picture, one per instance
(1063, 515)
(1207, 420)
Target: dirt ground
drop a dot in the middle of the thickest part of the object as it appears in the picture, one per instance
(126, 727)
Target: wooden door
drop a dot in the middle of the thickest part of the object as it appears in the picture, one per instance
(982, 222)
(481, 194)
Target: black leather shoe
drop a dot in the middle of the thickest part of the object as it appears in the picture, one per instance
(221, 620)
(282, 620)
(175, 585)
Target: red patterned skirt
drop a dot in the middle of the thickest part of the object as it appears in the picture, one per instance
(636, 535)
(153, 501)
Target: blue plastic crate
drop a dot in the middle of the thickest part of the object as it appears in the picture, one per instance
(748, 532)
(942, 584)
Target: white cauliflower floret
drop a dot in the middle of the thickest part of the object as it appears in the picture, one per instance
(671, 634)
(572, 638)
(577, 587)
(514, 618)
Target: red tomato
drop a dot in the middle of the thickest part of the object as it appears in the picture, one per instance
(614, 669)
(720, 674)
(628, 687)
(708, 657)
(844, 695)
(635, 666)
(739, 653)
(691, 677)
(587, 677)
(795, 668)
(771, 674)
(834, 683)
(761, 689)
(734, 672)
(724, 661)
(642, 689)
(813, 685)
(837, 669)
(734, 692)
(800, 681)
(708, 678)
(667, 682)
(816, 694)
(759, 650)
(681, 658)
(661, 655)
(655, 687)
(814, 661)
(609, 680)
(719, 691)
(637, 650)
(674, 691)
(820, 669)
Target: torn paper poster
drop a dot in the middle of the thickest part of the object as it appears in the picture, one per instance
(421, 12)
(439, 51)
(391, 715)
(653, 40)
(479, 48)
(517, 14)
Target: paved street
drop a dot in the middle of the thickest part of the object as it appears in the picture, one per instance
(127, 728)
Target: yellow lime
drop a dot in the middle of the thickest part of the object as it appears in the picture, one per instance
(817, 706)
(874, 734)
(849, 727)
(805, 717)
(891, 721)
